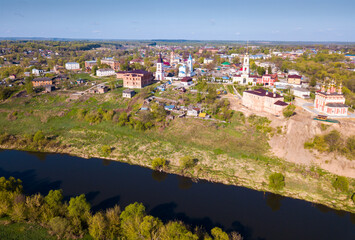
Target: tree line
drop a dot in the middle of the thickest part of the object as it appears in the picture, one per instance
(75, 219)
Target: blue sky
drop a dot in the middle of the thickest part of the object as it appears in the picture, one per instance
(302, 20)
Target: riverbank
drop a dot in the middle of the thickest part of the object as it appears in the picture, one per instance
(313, 185)
(235, 153)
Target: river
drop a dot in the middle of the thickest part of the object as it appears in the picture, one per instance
(256, 215)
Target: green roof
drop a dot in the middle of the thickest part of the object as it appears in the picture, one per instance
(226, 63)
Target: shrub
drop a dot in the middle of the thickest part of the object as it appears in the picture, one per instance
(341, 183)
(350, 144)
(333, 140)
(187, 162)
(106, 150)
(277, 181)
(38, 137)
(158, 163)
(60, 227)
(289, 110)
(217, 233)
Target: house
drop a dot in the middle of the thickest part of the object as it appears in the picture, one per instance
(186, 81)
(202, 115)
(135, 78)
(301, 92)
(37, 72)
(49, 88)
(12, 76)
(128, 93)
(37, 82)
(169, 107)
(139, 61)
(294, 79)
(331, 101)
(266, 80)
(72, 66)
(264, 101)
(99, 89)
(115, 65)
(105, 72)
(208, 60)
(80, 81)
(193, 112)
(90, 64)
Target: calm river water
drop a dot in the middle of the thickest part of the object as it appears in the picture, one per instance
(254, 214)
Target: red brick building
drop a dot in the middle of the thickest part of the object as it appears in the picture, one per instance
(37, 82)
(136, 78)
(115, 65)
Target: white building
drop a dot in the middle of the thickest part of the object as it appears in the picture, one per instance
(207, 60)
(159, 74)
(301, 92)
(245, 77)
(37, 72)
(72, 66)
(105, 72)
(186, 70)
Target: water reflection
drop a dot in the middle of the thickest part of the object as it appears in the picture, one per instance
(184, 182)
(274, 201)
(106, 162)
(159, 176)
(39, 155)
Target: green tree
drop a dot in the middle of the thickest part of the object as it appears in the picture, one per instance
(105, 150)
(289, 111)
(38, 137)
(218, 234)
(333, 140)
(176, 230)
(60, 227)
(10, 185)
(94, 69)
(131, 219)
(277, 181)
(341, 183)
(187, 162)
(149, 228)
(123, 119)
(113, 222)
(158, 163)
(98, 226)
(79, 207)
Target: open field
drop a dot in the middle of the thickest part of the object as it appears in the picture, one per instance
(234, 153)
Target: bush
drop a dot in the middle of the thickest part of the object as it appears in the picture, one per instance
(341, 183)
(158, 163)
(333, 140)
(106, 150)
(217, 233)
(60, 227)
(187, 162)
(38, 137)
(277, 181)
(289, 111)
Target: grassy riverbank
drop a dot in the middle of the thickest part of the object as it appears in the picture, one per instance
(235, 153)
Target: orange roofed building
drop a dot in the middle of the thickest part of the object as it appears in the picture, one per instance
(135, 78)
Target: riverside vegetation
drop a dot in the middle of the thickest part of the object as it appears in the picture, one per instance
(235, 151)
(49, 217)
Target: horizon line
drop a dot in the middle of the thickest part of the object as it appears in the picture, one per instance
(176, 39)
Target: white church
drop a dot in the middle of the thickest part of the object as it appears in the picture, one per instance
(245, 78)
(186, 70)
(159, 73)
